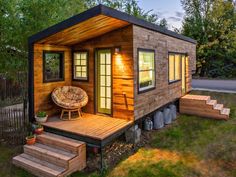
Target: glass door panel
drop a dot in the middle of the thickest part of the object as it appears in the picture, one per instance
(104, 81)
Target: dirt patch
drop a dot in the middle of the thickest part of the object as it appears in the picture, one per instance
(115, 152)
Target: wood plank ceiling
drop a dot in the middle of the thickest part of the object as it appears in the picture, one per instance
(83, 31)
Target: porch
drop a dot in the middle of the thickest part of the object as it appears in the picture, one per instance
(95, 130)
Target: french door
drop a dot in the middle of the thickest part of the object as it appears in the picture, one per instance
(104, 81)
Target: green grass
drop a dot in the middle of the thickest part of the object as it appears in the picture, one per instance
(6, 168)
(191, 146)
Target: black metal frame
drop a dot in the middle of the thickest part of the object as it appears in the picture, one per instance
(62, 66)
(31, 81)
(73, 73)
(154, 87)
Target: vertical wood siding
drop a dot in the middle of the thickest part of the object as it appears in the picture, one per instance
(123, 75)
(42, 91)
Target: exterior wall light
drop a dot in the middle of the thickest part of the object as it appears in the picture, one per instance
(117, 50)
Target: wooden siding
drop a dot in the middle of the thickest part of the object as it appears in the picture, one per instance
(122, 71)
(83, 31)
(164, 92)
(42, 91)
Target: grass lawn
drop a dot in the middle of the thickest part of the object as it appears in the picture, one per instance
(190, 147)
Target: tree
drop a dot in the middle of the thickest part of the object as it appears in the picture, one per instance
(213, 24)
(130, 7)
(23, 18)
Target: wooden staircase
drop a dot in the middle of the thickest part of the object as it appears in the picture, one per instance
(203, 106)
(52, 156)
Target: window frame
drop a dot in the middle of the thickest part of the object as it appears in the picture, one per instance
(87, 66)
(154, 85)
(62, 66)
(175, 53)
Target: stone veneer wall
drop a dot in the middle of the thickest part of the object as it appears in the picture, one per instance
(164, 92)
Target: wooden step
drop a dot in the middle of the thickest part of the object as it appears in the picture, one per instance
(197, 97)
(37, 167)
(52, 155)
(218, 107)
(203, 106)
(60, 142)
(225, 111)
(212, 103)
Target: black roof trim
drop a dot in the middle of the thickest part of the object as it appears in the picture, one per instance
(104, 10)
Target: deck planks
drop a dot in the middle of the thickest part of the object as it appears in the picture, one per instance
(90, 125)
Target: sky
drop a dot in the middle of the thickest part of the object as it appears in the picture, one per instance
(169, 9)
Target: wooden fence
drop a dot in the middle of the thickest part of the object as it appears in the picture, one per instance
(14, 125)
(14, 120)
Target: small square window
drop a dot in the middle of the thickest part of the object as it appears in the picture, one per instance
(80, 65)
(53, 66)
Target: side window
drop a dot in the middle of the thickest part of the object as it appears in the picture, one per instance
(146, 69)
(53, 66)
(80, 65)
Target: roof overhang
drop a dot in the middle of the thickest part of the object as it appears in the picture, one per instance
(92, 23)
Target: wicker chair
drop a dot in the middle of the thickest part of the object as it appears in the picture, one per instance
(70, 99)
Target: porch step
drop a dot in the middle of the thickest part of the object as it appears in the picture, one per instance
(219, 107)
(49, 154)
(60, 142)
(203, 106)
(37, 167)
(52, 155)
(212, 102)
(225, 111)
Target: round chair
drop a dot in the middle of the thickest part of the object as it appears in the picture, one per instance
(70, 99)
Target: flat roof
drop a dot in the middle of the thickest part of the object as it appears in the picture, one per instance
(109, 12)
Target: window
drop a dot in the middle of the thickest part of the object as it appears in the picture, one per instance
(80, 65)
(146, 66)
(174, 67)
(53, 66)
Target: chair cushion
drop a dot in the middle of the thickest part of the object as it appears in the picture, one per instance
(69, 97)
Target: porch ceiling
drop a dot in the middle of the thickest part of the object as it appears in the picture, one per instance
(85, 30)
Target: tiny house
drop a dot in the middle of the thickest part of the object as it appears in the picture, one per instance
(127, 66)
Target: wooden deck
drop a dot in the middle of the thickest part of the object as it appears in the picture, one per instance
(93, 129)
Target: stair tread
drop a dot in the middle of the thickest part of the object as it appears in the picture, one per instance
(69, 141)
(219, 106)
(197, 97)
(37, 164)
(212, 102)
(58, 153)
(225, 111)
